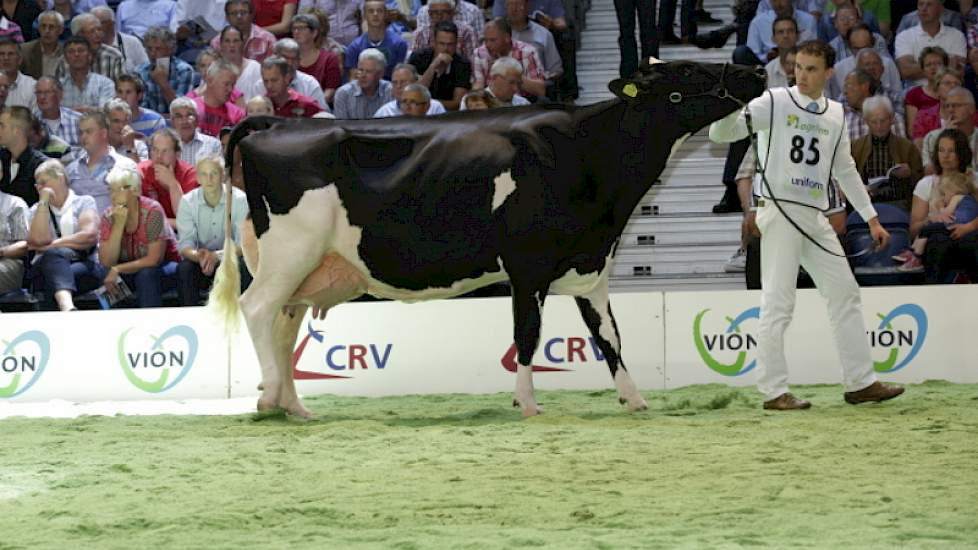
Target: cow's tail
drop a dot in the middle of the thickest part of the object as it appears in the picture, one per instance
(227, 282)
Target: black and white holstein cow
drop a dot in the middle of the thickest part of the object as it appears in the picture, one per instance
(411, 209)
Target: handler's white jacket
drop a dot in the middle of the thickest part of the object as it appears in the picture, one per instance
(800, 151)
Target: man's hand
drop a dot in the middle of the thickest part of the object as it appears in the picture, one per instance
(159, 74)
(164, 174)
(544, 20)
(45, 195)
(880, 235)
(901, 170)
(129, 137)
(119, 214)
(207, 260)
(750, 224)
(441, 62)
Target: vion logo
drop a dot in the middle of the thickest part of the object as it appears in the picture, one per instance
(726, 351)
(340, 357)
(558, 351)
(22, 362)
(155, 364)
(901, 333)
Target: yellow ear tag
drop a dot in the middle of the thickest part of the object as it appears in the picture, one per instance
(630, 90)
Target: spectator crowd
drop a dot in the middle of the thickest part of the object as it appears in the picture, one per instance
(904, 72)
(114, 114)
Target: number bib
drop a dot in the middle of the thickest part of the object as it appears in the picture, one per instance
(798, 151)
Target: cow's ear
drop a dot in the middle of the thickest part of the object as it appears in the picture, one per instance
(624, 88)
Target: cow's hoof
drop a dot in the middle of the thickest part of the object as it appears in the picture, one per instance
(636, 404)
(298, 409)
(261, 386)
(528, 410)
(265, 404)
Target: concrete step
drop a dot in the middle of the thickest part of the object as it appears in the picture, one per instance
(644, 231)
(668, 200)
(668, 283)
(672, 260)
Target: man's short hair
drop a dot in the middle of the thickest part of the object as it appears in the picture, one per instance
(277, 62)
(961, 91)
(20, 116)
(80, 19)
(933, 50)
(501, 25)
(103, 9)
(131, 79)
(447, 2)
(420, 88)
(98, 117)
(409, 68)
(446, 26)
(868, 51)
(860, 26)
(6, 40)
(168, 133)
(162, 34)
(54, 81)
(876, 102)
(80, 40)
(227, 7)
(220, 65)
(182, 102)
(504, 65)
(865, 78)
(781, 18)
(117, 104)
(51, 13)
(818, 48)
(376, 55)
(286, 45)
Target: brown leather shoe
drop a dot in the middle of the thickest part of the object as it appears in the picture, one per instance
(875, 392)
(786, 402)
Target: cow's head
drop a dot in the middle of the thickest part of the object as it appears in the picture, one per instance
(687, 94)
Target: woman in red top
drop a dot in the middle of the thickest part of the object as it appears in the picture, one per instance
(932, 118)
(135, 243)
(320, 63)
(274, 15)
(932, 59)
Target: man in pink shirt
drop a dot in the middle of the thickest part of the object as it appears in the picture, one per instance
(214, 109)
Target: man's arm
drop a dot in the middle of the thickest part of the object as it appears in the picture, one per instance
(845, 172)
(733, 127)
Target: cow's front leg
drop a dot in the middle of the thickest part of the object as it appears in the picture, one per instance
(527, 308)
(286, 329)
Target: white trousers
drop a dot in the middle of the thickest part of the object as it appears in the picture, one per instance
(783, 249)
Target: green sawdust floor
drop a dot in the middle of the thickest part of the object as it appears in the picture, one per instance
(704, 468)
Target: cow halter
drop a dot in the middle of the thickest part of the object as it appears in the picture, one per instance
(719, 91)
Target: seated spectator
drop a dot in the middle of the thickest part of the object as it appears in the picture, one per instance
(343, 16)
(166, 178)
(444, 11)
(859, 40)
(932, 59)
(256, 42)
(21, 87)
(50, 146)
(106, 60)
(959, 105)
(952, 201)
(760, 40)
(60, 121)
(232, 51)
(22, 14)
(470, 14)
(200, 224)
(214, 108)
(949, 17)
(193, 144)
(300, 82)
(785, 34)
(122, 136)
(63, 233)
(86, 174)
(860, 86)
(781, 71)
(865, 38)
(135, 242)
(165, 77)
(42, 55)
(884, 154)
(405, 75)
(131, 48)
(277, 75)
(83, 90)
(827, 29)
(443, 71)
(195, 24)
(944, 249)
(320, 63)
(361, 97)
(260, 106)
(478, 100)
(377, 36)
(871, 62)
(136, 17)
(929, 32)
(499, 43)
(129, 88)
(528, 32)
(13, 241)
(204, 61)
(552, 15)
(275, 16)
(402, 16)
(17, 158)
(504, 83)
(933, 117)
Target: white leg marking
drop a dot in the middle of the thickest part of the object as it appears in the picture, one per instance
(524, 391)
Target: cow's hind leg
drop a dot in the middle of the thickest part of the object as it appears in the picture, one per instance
(286, 329)
(596, 310)
(527, 309)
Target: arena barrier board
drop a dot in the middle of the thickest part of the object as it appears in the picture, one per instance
(465, 346)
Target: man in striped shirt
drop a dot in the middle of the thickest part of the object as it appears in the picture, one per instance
(500, 43)
(194, 145)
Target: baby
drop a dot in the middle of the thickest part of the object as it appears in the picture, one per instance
(952, 201)
(259, 105)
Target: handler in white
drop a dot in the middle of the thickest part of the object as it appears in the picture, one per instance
(803, 142)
